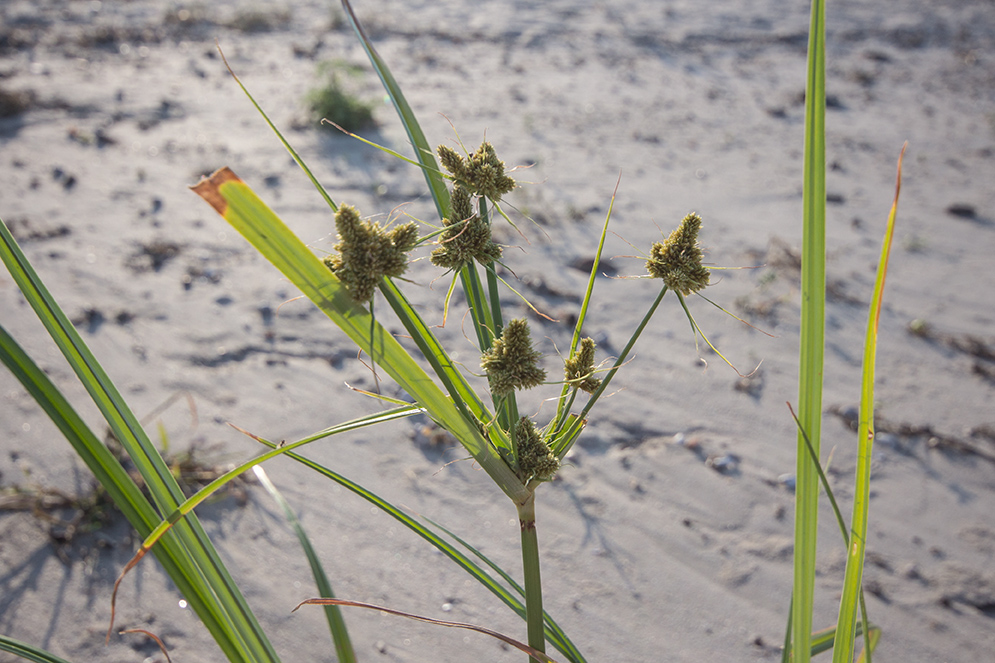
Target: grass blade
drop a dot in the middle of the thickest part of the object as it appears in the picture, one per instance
(812, 345)
(853, 578)
(561, 410)
(336, 624)
(293, 153)
(28, 652)
(198, 498)
(423, 151)
(213, 593)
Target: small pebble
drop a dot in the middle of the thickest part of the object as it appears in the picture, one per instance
(787, 480)
(724, 464)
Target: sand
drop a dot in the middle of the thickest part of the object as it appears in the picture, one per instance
(668, 534)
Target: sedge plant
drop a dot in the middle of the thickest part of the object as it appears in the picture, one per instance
(517, 452)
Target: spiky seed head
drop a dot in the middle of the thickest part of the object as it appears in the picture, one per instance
(453, 162)
(367, 252)
(512, 363)
(579, 368)
(460, 203)
(678, 259)
(482, 173)
(467, 237)
(535, 459)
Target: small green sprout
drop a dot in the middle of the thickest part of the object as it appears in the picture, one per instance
(535, 459)
(579, 368)
(467, 237)
(678, 260)
(333, 100)
(368, 252)
(512, 363)
(482, 172)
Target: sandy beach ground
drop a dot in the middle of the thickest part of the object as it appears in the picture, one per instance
(667, 537)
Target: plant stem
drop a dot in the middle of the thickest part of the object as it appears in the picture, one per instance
(533, 582)
(618, 364)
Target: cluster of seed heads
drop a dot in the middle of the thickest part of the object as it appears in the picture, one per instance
(678, 259)
(482, 173)
(579, 368)
(512, 363)
(535, 459)
(467, 237)
(367, 252)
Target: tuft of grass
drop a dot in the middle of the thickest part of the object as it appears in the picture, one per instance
(260, 18)
(332, 100)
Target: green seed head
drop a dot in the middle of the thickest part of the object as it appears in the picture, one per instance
(511, 363)
(678, 260)
(535, 459)
(368, 252)
(453, 162)
(482, 173)
(579, 368)
(466, 238)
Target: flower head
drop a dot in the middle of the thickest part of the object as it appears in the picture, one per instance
(482, 173)
(467, 237)
(579, 368)
(368, 252)
(678, 260)
(511, 363)
(535, 459)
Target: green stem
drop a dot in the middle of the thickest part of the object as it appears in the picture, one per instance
(479, 311)
(579, 421)
(492, 283)
(533, 582)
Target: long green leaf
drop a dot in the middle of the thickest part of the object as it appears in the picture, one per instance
(212, 592)
(120, 487)
(336, 623)
(250, 216)
(198, 498)
(561, 409)
(853, 578)
(812, 345)
(28, 652)
(554, 634)
(423, 151)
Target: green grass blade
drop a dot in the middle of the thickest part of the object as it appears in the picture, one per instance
(561, 410)
(336, 624)
(120, 487)
(250, 216)
(555, 636)
(198, 498)
(566, 436)
(423, 151)
(853, 578)
(215, 596)
(293, 153)
(824, 640)
(812, 346)
(465, 398)
(28, 652)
